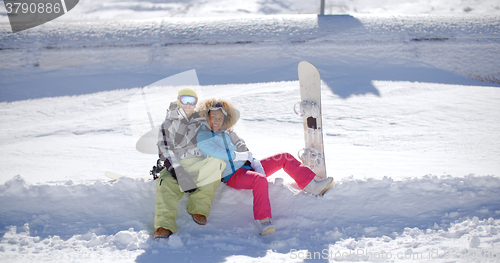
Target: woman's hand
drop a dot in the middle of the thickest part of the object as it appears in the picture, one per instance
(242, 156)
(257, 167)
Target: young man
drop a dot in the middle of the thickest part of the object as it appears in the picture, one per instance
(186, 169)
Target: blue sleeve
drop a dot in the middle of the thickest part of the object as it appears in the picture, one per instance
(213, 146)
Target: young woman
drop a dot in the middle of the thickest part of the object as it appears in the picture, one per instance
(242, 170)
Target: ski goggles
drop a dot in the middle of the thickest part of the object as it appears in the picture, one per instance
(185, 100)
(217, 107)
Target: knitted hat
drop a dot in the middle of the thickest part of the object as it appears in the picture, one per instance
(188, 91)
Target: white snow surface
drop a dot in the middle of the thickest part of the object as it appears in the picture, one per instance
(140, 9)
(349, 51)
(411, 121)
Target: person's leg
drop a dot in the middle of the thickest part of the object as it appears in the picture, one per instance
(201, 199)
(167, 194)
(300, 173)
(209, 171)
(248, 179)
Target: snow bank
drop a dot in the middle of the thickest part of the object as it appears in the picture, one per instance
(356, 218)
(470, 240)
(17, 245)
(67, 209)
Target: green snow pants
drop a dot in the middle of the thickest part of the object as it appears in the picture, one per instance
(168, 192)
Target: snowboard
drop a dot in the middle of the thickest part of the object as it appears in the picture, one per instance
(309, 108)
(115, 176)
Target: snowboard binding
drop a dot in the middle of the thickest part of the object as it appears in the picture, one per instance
(311, 157)
(306, 108)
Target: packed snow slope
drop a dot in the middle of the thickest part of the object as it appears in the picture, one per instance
(350, 51)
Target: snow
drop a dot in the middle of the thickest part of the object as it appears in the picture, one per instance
(410, 104)
(140, 9)
(350, 52)
(356, 218)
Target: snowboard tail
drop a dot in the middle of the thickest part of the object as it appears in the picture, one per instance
(115, 176)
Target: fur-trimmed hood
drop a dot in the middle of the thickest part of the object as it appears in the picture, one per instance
(232, 113)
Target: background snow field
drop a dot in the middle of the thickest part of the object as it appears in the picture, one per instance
(349, 51)
(410, 95)
(87, 10)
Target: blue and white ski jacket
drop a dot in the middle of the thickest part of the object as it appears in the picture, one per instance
(222, 145)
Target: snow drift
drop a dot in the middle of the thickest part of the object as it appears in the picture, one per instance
(353, 217)
(357, 205)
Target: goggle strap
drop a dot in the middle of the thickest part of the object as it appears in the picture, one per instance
(218, 108)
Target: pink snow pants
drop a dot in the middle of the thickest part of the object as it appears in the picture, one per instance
(249, 179)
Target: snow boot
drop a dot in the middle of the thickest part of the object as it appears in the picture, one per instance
(199, 219)
(162, 233)
(265, 226)
(318, 188)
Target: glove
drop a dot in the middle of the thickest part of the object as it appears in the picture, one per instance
(156, 169)
(242, 156)
(257, 167)
(185, 179)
